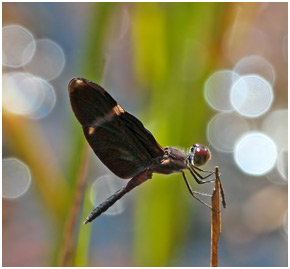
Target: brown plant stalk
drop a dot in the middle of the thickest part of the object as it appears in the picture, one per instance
(216, 218)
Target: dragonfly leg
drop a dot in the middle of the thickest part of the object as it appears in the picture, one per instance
(199, 178)
(194, 193)
(202, 170)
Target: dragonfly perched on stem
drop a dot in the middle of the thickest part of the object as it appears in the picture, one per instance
(126, 147)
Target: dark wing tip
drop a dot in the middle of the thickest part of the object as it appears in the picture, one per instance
(89, 100)
(76, 83)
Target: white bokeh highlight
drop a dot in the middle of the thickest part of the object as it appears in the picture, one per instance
(27, 95)
(20, 93)
(47, 102)
(18, 46)
(16, 178)
(257, 65)
(219, 134)
(252, 96)
(48, 60)
(275, 125)
(255, 153)
(217, 89)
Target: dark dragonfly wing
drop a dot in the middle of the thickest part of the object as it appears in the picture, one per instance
(119, 139)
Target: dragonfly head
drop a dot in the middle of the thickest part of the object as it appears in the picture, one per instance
(199, 155)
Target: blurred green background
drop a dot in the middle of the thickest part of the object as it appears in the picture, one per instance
(154, 58)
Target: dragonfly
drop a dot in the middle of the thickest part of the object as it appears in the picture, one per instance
(126, 147)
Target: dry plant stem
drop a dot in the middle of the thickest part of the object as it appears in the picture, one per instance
(70, 225)
(215, 220)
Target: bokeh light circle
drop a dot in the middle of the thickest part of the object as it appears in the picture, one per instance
(252, 96)
(21, 94)
(255, 64)
(16, 178)
(47, 102)
(104, 187)
(217, 89)
(48, 60)
(18, 46)
(218, 132)
(275, 125)
(27, 95)
(255, 153)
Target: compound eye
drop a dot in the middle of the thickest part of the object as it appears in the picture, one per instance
(201, 155)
